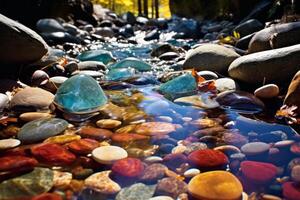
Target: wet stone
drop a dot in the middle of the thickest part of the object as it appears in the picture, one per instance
(102, 183)
(30, 116)
(134, 63)
(41, 129)
(137, 191)
(130, 139)
(53, 154)
(83, 146)
(171, 187)
(61, 179)
(9, 143)
(128, 167)
(161, 198)
(48, 196)
(109, 154)
(17, 163)
(295, 173)
(215, 185)
(95, 133)
(39, 181)
(118, 74)
(153, 172)
(96, 55)
(208, 158)
(258, 172)
(80, 94)
(108, 123)
(62, 139)
(291, 191)
(155, 128)
(255, 148)
(191, 172)
(267, 91)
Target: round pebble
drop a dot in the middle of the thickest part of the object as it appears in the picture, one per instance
(9, 143)
(153, 172)
(128, 167)
(155, 128)
(108, 123)
(153, 159)
(109, 154)
(171, 187)
(83, 146)
(295, 148)
(255, 148)
(267, 91)
(208, 158)
(258, 172)
(215, 185)
(191, 173)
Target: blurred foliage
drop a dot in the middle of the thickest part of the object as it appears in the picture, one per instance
(122, 6)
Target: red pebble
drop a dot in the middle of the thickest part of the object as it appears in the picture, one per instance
(129, 167)
(53, 154)
(208, 158)
(83, 146)
(258, 172)
(174, 160)
(95, 133)
(47, 196)
(17, 163)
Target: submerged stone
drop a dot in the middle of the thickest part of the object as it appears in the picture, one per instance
(118, 74)
(133, 63)
(179, 86)
(240, 101)
(138, 191)
(128, 167)
(96, 55)
(80, 94)
(41, 129)
(39, 181)
(215, 185)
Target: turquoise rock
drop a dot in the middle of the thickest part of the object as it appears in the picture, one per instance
(80, 94)
(39, 181)
(41, 129)
(119, 74)
(133, 63)
(138, 191)
(96, 55)
(183, 85)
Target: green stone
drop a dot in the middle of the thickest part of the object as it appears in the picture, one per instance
(138, 191)
(119, 74)
(96, 55)
(80, 94)
(183, 85)
(39, 181)
(41, 129)
(133, 63)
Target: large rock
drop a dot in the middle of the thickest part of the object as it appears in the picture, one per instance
(19, 44)
(293, 94)
(249, 27)
(211, 57)
(276, 36)
(273, 65)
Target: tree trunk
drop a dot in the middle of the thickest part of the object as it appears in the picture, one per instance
(156, 8)
(140, 7)
(146, 8)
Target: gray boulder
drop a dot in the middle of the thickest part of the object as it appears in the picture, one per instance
(49, 25)
(19, 44)
(211, 57)
(273, 65)
(276, 36)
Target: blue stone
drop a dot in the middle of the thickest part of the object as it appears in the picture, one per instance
(96, 55)
(80, 94)
(119, 74)
(41, 129)
(135, 63)
(180, 86)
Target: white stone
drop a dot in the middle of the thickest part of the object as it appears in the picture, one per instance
(191, 173)
(109, 154)
(9, 143)
(161, 198)
(225, 84)
(267, 91)
(153, 159)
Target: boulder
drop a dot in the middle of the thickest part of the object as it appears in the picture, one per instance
(249, 27)
(19, 44)
(49, 25)
(276, 36)
(293, 94)
(211, 57)
(273, 65)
